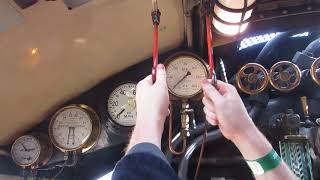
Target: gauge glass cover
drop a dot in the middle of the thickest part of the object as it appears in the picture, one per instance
(26, 150)
(71, 128)
(184, 76)
(121, 105)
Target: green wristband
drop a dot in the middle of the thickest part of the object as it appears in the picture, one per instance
(265, 163)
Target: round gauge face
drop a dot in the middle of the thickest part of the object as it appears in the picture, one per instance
(122, 105)
(25, 150)
(71, 128)
(184, 76)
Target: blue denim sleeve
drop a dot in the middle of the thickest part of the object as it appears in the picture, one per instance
(144, 161)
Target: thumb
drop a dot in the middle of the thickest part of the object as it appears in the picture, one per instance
(161, 75)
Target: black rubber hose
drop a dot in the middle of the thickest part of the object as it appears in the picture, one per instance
(213, 135)
(271, 51)
(184, 164)
(313, 49)
(193, 133)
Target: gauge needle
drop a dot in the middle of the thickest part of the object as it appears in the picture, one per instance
(188, 74)
(24, 147)
(73, 128)
(118, 115)
(69, 135)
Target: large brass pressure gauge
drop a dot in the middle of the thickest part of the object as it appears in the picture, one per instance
(31, 151)
(252, 78)
(74, 128)
(185, 71)
(315, 71)
(285, 76)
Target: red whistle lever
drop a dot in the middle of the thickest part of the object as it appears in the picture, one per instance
(155, 15)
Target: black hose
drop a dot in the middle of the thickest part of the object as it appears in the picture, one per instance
(271, 51)
(184, 164)
(313, 49)
(213, 135)
(193, 133)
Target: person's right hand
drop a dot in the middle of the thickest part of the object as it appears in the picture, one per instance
(224, 107)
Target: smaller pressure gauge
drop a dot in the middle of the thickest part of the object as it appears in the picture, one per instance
(74, 127)
(121, 105)
(31, 151)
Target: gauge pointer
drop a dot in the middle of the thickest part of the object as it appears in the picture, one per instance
(118, 115)
(188, 74)
(69, 135)
(24, 147)
(73, 128)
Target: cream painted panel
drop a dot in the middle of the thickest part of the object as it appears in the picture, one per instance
(75, 50)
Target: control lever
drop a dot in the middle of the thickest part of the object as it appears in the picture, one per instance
(155, 15)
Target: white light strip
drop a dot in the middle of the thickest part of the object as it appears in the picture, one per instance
(251, 41)
(301, 35)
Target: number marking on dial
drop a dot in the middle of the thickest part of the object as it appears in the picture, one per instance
(122, 105)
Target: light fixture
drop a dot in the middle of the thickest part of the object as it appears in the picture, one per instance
(232, 17)
(34, 51)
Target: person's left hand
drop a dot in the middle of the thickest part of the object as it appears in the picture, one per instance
(152, 101)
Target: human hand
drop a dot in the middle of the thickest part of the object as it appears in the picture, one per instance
(224, 107)
(152, 101)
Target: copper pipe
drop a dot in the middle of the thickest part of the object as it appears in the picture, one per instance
(183, 136)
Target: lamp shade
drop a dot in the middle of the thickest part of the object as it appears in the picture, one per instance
(231, 17)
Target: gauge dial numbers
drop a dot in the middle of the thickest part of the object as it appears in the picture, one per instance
(185, 71)
(71, 127)
(121, 105)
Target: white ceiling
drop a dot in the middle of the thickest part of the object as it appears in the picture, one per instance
(73, 50)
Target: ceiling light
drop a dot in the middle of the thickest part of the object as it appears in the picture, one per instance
(232, 17)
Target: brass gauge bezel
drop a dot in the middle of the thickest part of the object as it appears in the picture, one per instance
(313, 71)
(175, 56)
(90, 140)
(297, 72)
(258, 68)
(43, 156)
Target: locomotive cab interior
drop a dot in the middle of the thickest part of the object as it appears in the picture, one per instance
(69, 70)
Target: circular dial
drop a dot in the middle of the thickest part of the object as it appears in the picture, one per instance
(184, 76)
(71, 127)
(122, 105)
(26, 150)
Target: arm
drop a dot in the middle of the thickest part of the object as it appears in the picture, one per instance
(144, 159)
(152, 102)
(224, 107)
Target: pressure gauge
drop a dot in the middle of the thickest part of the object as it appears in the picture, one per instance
(121, 105)
(74, 127)
(31, 150)
(185, 71)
